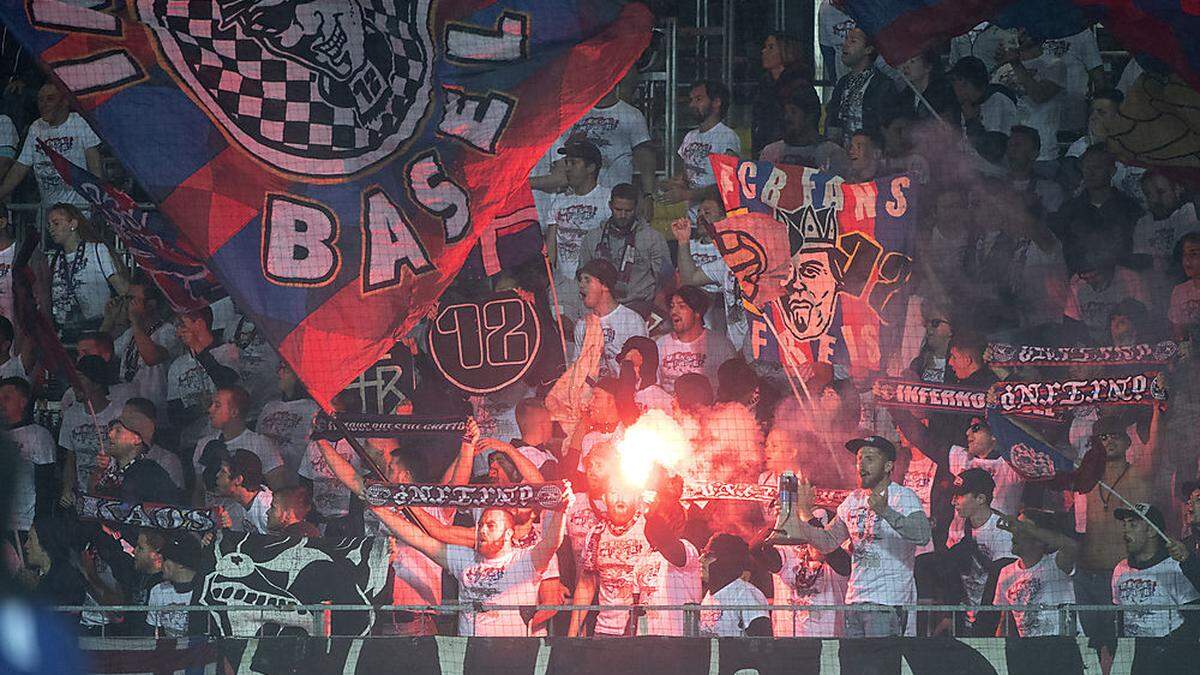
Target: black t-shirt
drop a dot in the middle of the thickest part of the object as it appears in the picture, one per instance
(146, 481)
(62, 585)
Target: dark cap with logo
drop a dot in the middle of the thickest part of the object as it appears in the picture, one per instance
(1149, 511)
(974, 482)
(582, 148)
(878, 442)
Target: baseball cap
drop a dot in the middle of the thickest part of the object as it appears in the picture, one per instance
(579, 146)
(182, 549)
(975, 482)
(1141, 509)
(878, 442)
(137, 422)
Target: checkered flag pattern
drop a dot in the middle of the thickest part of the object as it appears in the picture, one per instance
(285, 104)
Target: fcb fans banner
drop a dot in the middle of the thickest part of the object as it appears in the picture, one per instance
(485, 345)
(850, 257)
(184, 279)
(277, 572)
(1001, 354)
(158, 516)
(334, 165)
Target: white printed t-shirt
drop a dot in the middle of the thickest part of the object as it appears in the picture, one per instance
(171, 622)
(187, 381)
(260, 445)
(806, 579)
(150, 382)
(1159, 584)
(881, 568)
(69, 139)
(1042, 584)
(508, 580)
(288, 424)
(615, 130)
(330, 497)
(7, 257)
(78, 434)
(731, 622)
(703, 355)
(37, 449)
(574, 216)
(697, 146)
(618, 326)
(255, 519)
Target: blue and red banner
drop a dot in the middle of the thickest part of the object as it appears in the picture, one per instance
(1037, 460)
(333, 162)
(1166, 30)
(850, 247)
(184, 279)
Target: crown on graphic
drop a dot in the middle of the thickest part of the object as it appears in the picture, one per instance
(810, 228)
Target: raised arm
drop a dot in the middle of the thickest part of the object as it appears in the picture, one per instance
(529, 472)
(826, 539)
(411, 534)
(457, 535)
(459, 471)
(553, 528)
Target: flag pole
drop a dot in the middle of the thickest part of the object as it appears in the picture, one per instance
(1133, 508)
(562, 337)
(920, 97)
(792, 375)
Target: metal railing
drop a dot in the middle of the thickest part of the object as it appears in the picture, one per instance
(321, 614)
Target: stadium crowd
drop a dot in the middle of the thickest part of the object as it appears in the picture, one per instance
(1031, 232)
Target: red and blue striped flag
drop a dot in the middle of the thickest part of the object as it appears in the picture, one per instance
(333, 161)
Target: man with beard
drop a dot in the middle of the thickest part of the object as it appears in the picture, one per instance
(495, 571)
(802, 143)
(708, 101)
(597, 279)
(885, 524)
(810, 294)
(690, 347)
(1155, 235)
(861, 95)
(634, 556)
(507, 465)
(638, 251)
(1156, 574)
(700, 263)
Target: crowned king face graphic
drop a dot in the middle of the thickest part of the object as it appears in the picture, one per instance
(811, 291)
(322, 88)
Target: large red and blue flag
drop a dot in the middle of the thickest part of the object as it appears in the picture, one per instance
(850, 247)
(1167, 31)
(184, 279)
(333, 161)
